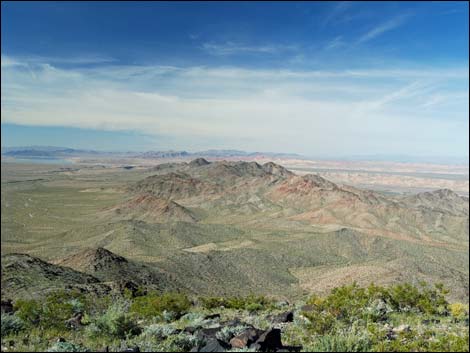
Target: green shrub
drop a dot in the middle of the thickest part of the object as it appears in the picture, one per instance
(153, 305)
(11, 324)
(405, 297)
(250, 303)
(115, 322)
(52, 311)
(319, 322)
(28, 310)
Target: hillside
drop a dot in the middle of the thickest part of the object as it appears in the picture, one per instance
(232, 227)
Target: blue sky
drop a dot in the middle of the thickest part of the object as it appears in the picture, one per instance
(317, 78)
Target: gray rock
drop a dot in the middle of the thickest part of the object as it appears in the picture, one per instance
(214, 345)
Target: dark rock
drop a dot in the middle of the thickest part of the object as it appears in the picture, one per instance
(288, 316)
(207, 333)
(7, 306)
(190, 329)
(245, 338)
(212, 317)
(270, 340)
(61, 339)
(214, 345)
(132, 349)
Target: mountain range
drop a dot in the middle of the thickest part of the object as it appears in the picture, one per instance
(231, 228)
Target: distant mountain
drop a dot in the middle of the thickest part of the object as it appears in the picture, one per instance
(59, 152)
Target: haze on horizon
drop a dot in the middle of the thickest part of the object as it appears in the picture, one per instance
(322, 78)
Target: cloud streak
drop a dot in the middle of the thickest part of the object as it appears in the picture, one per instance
(232, 48)
(349, 111)
(383, 28)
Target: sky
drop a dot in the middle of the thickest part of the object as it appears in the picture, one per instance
(314, 78)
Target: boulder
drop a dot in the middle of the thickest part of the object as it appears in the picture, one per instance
(214, 345)
(270, 340)
(246, 338)
(208, 333)
(6, 306)
(132, 349)
(190, 329)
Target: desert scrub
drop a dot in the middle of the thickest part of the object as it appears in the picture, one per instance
(115, 322)
(351, 302)
(11, 324)
(339, 343)
(29, 311)
(154, 305)
(250, 303)
(67, 347)
(159, 331)
(227, 332)
(406, 297)
(52, 311)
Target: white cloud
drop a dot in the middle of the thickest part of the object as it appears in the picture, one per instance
(383, 27)
(311, 112)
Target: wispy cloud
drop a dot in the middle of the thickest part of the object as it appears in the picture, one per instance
(337, 11)
(305, 110)
(336, 42)
(383, 28)
(232, 48)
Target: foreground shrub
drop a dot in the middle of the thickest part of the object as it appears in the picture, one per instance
(29, 311)
(52, 311)
(115, 322)
(405, 297)
(350, 303)
(154, 305)
(11, 324)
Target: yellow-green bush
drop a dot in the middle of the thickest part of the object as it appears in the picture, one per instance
(153, 305)
(458, 310)
(250, 302)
